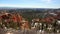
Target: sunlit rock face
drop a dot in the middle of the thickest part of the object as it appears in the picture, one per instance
(58, 21)
(9, 33)
(24, 25)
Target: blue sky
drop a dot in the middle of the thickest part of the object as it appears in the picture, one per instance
(30, 3)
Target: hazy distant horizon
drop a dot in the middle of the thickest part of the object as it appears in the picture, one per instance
(16, 6)
(26, 7)
(30, 3)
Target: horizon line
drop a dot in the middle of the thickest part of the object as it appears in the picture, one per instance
(31, 7)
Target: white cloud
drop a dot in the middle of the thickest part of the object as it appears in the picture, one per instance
(47, 1)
